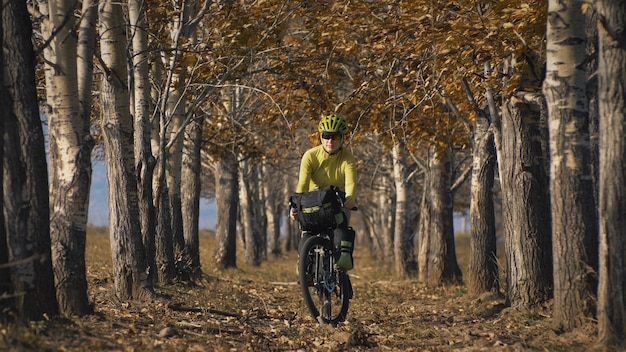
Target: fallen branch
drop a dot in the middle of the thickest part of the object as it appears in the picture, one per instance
(179, 308)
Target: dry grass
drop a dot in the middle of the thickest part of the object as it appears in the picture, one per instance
(260, 309)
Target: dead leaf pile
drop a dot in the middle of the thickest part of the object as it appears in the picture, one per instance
(260, 309)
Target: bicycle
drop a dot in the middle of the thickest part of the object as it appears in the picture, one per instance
(326, 290)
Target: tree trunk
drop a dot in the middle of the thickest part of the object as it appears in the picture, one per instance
(292, 232)
(437, 258)
(273, 228)
(174, 104)
(384, 228)
(405, 265)
(25, 178)
(163, 242)
(70, 156)
(190, 201)
(260, 209)
(253, 246)
(169, 237)
(226, 200)
(4, 107)
(129, 263)
(190, 176)
(571, 188)
(291, 235)
(483, 266)
(173, 170)
(84, 64)
(525, 205)
(612, 191)
(273, 206)
(591, 31)
(144, 160)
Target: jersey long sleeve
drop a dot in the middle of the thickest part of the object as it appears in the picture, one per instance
(320, 169)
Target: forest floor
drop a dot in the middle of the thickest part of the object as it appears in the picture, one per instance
(261, 309)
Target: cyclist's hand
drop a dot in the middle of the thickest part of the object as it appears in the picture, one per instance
(349, 204)
(293, 214)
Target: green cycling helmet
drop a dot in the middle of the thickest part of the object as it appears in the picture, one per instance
(333, 123)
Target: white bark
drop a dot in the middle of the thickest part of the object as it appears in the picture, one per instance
(403, 245)
(144, 161)
(129, 265)
(571, 188)
(70, 153)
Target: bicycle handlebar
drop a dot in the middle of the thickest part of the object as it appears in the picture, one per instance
(341, 196)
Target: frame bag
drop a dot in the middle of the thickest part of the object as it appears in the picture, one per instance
(319, 209)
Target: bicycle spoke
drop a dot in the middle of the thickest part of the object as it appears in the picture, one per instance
(326, 295)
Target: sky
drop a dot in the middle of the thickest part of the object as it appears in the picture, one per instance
(98, 205)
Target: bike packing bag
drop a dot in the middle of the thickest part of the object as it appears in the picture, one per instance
(344, 234)
(319, 209)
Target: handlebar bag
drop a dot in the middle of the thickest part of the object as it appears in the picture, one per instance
(319, 209)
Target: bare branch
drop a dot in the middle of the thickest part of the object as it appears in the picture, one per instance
(23, 261)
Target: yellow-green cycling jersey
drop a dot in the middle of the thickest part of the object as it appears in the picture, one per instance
(318, 168)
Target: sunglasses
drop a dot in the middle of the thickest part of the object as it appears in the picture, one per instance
(333, 136)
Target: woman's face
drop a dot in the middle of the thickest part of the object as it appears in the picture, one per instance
(331, 141)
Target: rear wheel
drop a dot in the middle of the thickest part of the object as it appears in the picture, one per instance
(326, 291)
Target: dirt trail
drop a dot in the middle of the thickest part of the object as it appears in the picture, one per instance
(260, 309)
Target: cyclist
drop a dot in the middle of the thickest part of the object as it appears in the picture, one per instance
(330, 164)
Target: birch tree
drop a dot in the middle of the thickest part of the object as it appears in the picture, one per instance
(129, 262)
(405, 263)
(70, 149)
(501, 29)
(436, 259)
(248, 198)
(482, 273)
(612, 191)
(525, 203)
(175, 113)
(273, 206)
(4, 106)
(25, 180)
(173, 118)
(574, 231)
(141, 98)
(591, 20)
(386, 221)
(86, 48)
(190, 199)
(226, 205)
(377, 198)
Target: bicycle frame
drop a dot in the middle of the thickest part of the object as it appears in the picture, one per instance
(328, 292)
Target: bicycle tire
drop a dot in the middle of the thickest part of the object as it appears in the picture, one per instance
(326, 291)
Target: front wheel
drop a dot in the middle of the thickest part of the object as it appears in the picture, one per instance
(326, 291)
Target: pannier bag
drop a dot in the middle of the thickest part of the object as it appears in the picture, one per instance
(319, 209)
